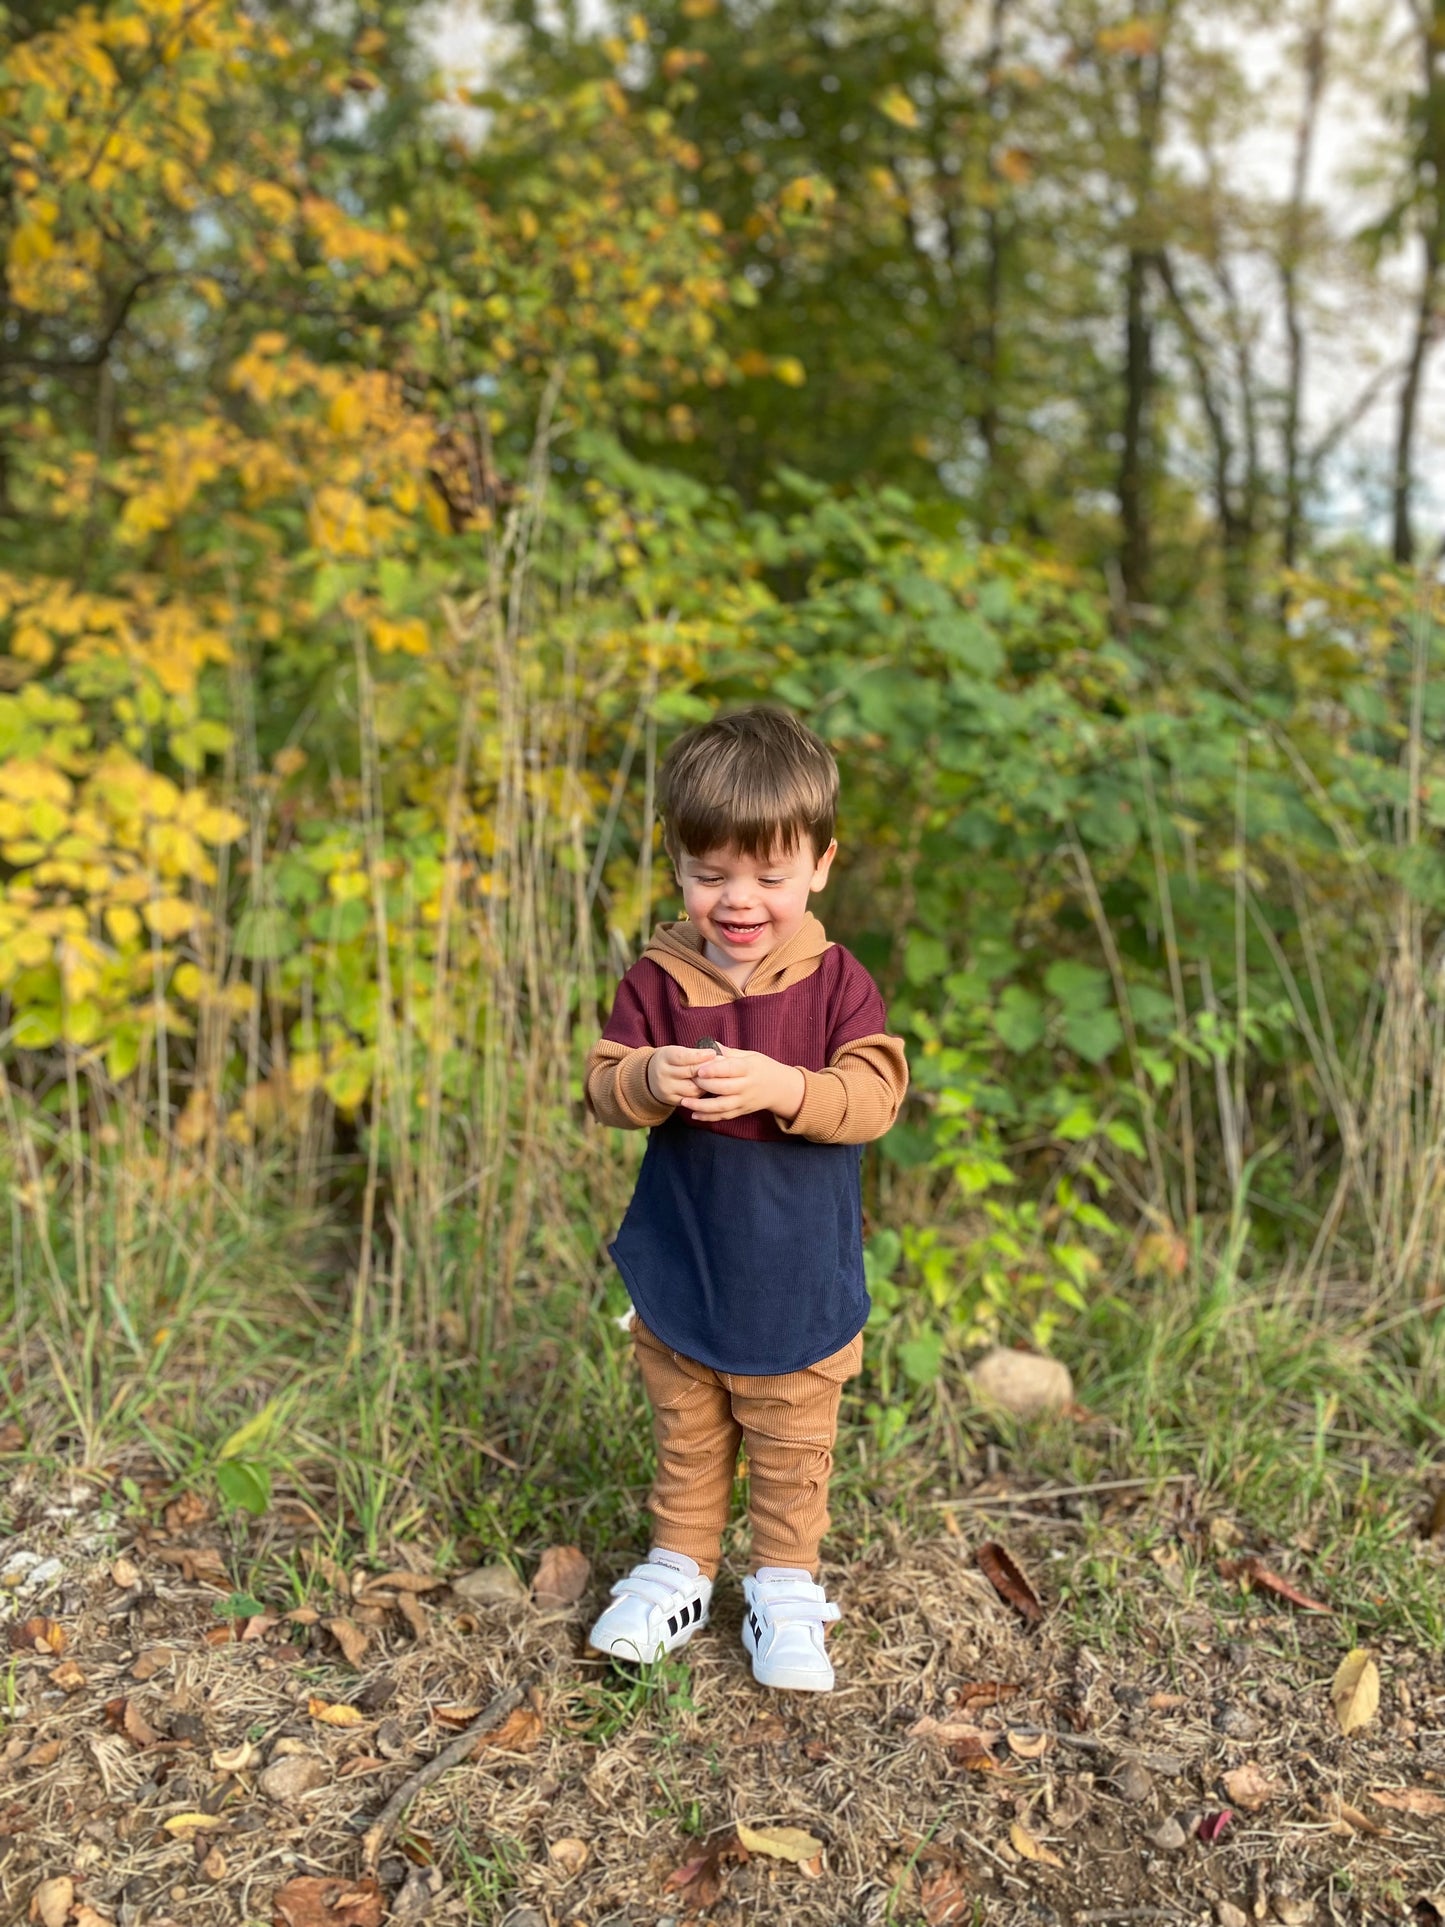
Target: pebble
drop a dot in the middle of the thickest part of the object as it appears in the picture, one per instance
(490, 1586)
(1023, 1383)
(293, 1777)
(1170, 1837)
(15, 1567)
(1228, 1915)
(1132, 1782)
(46, 1573)
(1234, 1723)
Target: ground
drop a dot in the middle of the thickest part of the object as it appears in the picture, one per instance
(970, 1766)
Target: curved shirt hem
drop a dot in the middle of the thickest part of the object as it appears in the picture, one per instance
(701, 1357)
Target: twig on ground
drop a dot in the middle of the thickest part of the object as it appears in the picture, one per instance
(380, 1830)
(1100, 1914)
(1056, 1492)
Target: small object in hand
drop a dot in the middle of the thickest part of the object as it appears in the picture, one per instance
(708, 1043)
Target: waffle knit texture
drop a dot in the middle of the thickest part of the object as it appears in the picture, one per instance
(742, 1247)
(788, 1422)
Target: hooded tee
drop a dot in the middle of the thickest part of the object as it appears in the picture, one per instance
(742, 1247)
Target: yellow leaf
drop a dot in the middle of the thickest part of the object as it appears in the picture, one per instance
(183, 1823)
(1025, 1845)
(219, 825)
(899, 108)
(335, 1714)
(1355, 1691)
(169, 917)
(779, 1843)
(789, 370)
(252, 1433)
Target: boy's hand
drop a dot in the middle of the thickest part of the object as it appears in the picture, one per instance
(670, 1072)
(741, 1081)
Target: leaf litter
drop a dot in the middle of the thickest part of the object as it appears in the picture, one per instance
(924, 1659)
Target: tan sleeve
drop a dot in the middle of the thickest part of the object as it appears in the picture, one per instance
(857, 1098)
(615, 1083)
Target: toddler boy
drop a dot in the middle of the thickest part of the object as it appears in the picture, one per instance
(755, 1052)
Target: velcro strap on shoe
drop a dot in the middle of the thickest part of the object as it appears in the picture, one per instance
(657, 1584)
(788, 1612)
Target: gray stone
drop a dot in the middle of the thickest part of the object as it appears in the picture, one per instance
(490, 1586)
(1023, 1383)
(292, 1777)
(1171, 1837)
(1132, 1782)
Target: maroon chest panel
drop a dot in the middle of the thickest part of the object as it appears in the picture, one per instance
(805, 1025)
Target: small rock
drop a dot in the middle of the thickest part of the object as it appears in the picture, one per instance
(1023, 1383)
(490, 1586)
(1171, 1765)
(16, 1569)
(391, 1740)
(1228, 1915)
(376, 1693)
(1234, 1722)
(1132, 1782)
(1291, 1908)
(1170, 1837)
(46, 1573)
(292, 1777)
(524, 1917)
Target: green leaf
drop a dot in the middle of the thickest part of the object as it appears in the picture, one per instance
(925, 958)
(1019, 1019)
(1093, 1034)
(264, 935)
(1078, 986)
(922, 1357)
(244, 1485)
(1119, 1131)
(239, 1605)
(880, 1257)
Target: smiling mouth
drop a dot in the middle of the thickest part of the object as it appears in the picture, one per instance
(741, 932)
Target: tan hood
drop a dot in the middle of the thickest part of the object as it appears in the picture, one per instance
(677, 948)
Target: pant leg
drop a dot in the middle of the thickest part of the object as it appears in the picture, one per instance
(789, 1423)
(697, 1450)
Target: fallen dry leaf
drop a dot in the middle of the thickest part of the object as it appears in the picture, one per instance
(1211, 1826)
(320, 1900)
(1008, 1582)
(335, 1713)
(953, 1732)
(415, 1615)
(1434, 1527)
(1355, 1691)
(986, 1692)
(153, 1660)
(945, 1897)
(1344, 1818)
(1028, 1848)
(89, 1917)
(1029, 1746)
(126, 1717)
(561, 1576)
(125, 1574)
(1252, 1571)
(235, 1759)
(569, 1856)
(1166, 1702)
(67, 1676)
(402, 1581)
(700, 1881)
(215, 1865)
(12, 1438)
(1419, 1800)
(519, 1732)
(779, 1843)
(1249, 1786)
(456, 1717)
(190, 1509)
(349, 1637)
(51, 1901)
(199, 1565)
(186, 1824)
(37, 1635)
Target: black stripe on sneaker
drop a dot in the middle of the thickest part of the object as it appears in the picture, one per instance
(672, 1624)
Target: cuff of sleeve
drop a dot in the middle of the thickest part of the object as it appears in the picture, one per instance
(821, 1108)
(633, 1089)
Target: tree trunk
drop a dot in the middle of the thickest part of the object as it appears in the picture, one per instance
(1132, 485)
(1314, 62)
(1429, 16)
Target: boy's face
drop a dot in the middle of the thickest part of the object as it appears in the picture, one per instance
(745, 908)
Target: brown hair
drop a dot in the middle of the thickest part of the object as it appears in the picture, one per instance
(756, 781)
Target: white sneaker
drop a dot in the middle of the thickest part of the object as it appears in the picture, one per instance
(656, 1608)
(784, 1614)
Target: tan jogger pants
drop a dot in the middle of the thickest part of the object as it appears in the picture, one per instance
(788, 1423)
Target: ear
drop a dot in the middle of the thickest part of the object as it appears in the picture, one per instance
(823, 866)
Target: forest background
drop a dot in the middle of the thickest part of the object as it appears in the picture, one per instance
(389, 470)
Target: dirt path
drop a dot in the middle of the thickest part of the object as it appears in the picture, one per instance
(173, 1764)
